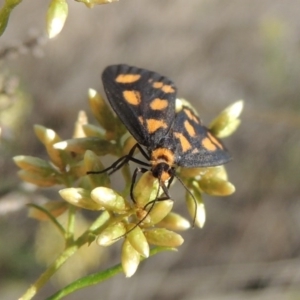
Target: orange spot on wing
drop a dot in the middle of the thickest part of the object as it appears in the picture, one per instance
(127, 78)
(153, 125)
(185, 144)
(191, 116)
(168, 89)
(215, 141)
(157, 84)
(208, 144)
(132, 97)
(159, 104)
(189, 128)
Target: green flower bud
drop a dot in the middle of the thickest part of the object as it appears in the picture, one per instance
(227, 122)
(137, 239)
(130, 259)
(56, 16)
(163, 237)
(175, 222)
(80, 197)
(111, 234)
(109, 199)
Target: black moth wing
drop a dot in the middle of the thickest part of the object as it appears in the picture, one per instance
(196, 145)
(133, 93)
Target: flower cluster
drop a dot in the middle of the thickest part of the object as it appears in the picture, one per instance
(140, 223)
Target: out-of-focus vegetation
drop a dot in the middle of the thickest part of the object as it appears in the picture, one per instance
(215, 51)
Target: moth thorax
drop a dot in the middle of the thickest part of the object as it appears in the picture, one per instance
(162, 160)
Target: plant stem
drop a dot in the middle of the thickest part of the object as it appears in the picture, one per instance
(97, 278)
(67, 253)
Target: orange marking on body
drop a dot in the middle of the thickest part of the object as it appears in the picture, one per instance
(157, 84)
(168, 89)
(191, 116)
(185, 144)
(159, 104)
(189, 128)
(127, 78)
(215, 141)
(162, 156)
(132, 97)
(153, 125)
(165, 176)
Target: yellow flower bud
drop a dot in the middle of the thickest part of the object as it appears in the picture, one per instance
(195, 205)
(56, 16)
(49, 137)
(94, 131)
(180, 102)
(145, 189)
(80, 197)
(137, 239)
(111, 234)
(104, 115)
(43, 180)
(227, 122)
(82, 119)
(212, 172)
(216, 186)
(175, 222)
(80, 145)
(93, 163)
(160, 210)
(35, 164)
(163, 237)
(127, 142)
(78, 169)
(109, 199)
(92, 3)
(130, 259)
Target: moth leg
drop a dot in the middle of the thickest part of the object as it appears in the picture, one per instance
(119, 163)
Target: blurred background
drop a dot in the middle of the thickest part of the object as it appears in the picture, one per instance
(216, 52)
